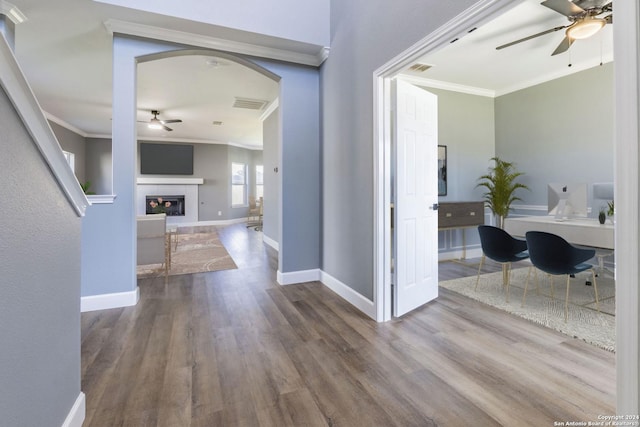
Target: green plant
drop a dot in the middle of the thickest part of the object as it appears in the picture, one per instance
(501, 186)
(85, 188)
(610, 209)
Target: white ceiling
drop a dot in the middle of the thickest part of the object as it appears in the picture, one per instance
(474, 63)
(64, 49)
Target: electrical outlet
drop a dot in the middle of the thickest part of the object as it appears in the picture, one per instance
(219, 213)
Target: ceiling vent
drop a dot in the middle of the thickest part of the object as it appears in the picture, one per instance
(217, 123)
(421, 68)
(250, 104)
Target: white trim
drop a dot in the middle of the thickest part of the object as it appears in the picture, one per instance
(12, 12)
(270, 109)
(170, 181)
(189, 140)
(101, 199)
(64, 124)
(626, 44)
(200, 40)
(212, 222)
(76, 415)
(348, 294)
(480, 12)
(14, 83)
(294, 277)
(271, 242)
(107, 301)
(437, 84)
(457, 254)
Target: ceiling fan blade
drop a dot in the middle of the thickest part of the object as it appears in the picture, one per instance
(167, 128)
(564, 45)
(563, 7)
(552, 30)
(164, 122)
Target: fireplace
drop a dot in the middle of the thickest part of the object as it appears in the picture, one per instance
(170, 205)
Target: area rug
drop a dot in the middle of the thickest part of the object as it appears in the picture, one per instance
(584, 321)
(194, 253)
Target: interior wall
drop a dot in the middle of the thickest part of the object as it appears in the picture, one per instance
(559, 131)
(73, 143)
(466, 126)
(360, 44)
(98, 165)
(270, 134)
(40, 291)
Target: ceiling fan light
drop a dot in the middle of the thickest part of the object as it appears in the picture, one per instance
(585, 28)
(155, 126)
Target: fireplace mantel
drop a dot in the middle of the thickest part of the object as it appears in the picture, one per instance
(170, 181)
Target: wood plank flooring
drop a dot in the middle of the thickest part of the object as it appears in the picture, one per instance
(233, 348)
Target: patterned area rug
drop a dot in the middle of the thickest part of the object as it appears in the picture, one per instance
(584, 321)
(195, 253)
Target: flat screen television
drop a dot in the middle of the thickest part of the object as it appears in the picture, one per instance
(567, 200)
(166, 159)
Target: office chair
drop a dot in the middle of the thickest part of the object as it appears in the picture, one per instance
(500, 246)
(555, 256)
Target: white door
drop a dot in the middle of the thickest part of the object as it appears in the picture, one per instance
(416, 198)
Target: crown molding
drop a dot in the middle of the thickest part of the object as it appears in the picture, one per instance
(147, 31)
(64, 124)
(270, 109)
(437, 84)
(197, 141)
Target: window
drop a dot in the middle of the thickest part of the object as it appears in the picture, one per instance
(71, 159)
(259, 182)
(238, 184)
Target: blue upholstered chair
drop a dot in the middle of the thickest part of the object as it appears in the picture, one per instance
(500, 246)
(555, 256)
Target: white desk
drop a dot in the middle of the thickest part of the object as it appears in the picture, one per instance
(586, 232)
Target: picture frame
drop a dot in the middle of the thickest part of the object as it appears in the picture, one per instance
(442, 170)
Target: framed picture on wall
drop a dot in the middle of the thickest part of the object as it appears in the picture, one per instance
(442, 170)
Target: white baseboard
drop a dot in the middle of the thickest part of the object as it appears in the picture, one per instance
(457, 254)
(269, 241)
(213, 222)
(352, 297)
(76, 415)
(106, 301)
(294, 277)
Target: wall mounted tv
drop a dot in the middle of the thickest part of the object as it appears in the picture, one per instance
(166, 159)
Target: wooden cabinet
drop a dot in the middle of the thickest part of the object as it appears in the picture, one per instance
(460, 214)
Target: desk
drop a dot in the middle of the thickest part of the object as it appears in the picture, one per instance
(585, 232)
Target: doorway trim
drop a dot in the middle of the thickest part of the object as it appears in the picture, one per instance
(382, 139)
(627, 161)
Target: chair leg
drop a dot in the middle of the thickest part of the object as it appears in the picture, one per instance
(595, 288)
(479, 269)
(566, 299)
(507, 277)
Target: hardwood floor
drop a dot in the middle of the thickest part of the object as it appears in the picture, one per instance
(233, 348)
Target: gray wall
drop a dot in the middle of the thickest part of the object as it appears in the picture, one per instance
(364, 36)
(466, 125)
(73, 143)
(98, 165)
(561, 130)
(271, 135)
(40, 285)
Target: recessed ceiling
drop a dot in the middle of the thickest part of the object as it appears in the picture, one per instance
(473, 61)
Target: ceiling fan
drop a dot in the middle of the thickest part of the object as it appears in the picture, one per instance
(156, 123)
(583, 18)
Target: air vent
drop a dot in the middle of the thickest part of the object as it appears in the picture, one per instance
(217, 123)
(250, 104)
(420, 67)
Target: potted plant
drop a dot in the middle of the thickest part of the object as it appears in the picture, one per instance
(501, 186)
(610, 210)
(602, 215)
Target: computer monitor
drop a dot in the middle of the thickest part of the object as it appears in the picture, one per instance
(567, 200)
